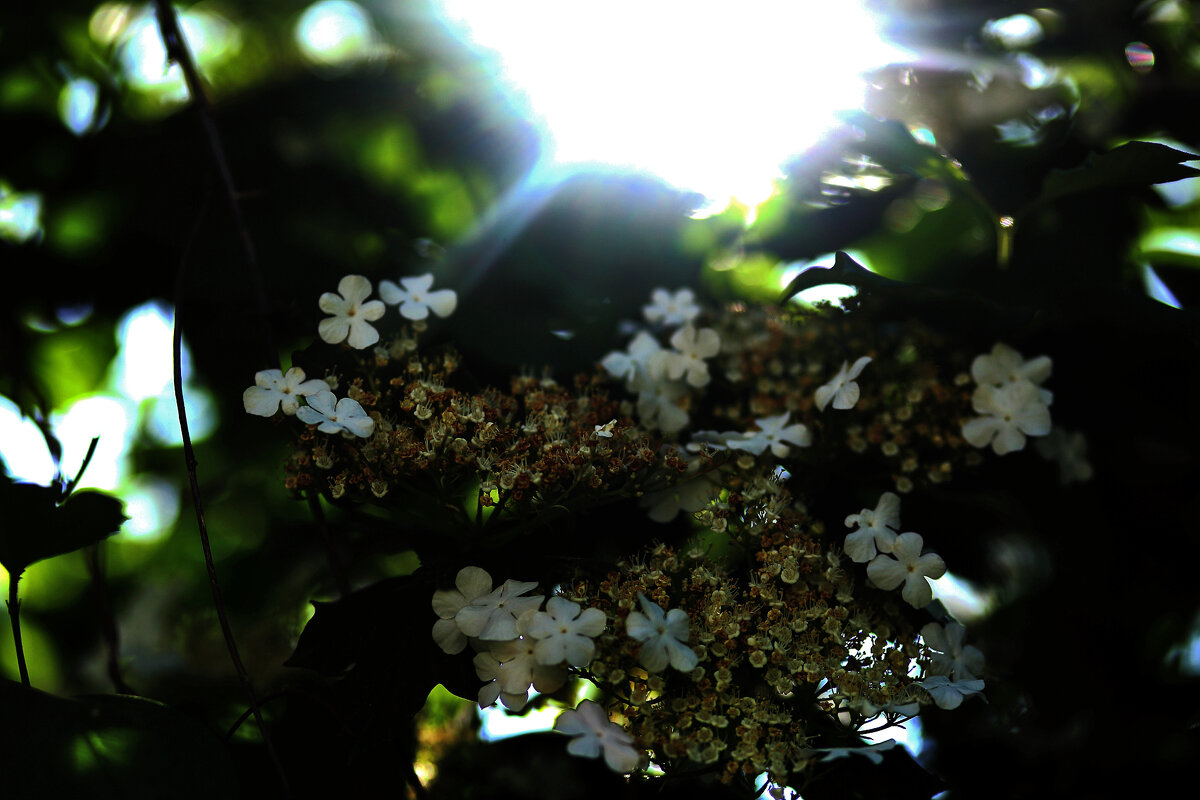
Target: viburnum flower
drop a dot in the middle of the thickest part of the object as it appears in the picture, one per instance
(949, 694)
(1012, 411)
(331, 415)
(662, 637)
(1005, 365)
(273, 389)
(877, 529)
(960, 662)
(470, 583)
(774, 432)
(351, 320)
(671, 309)
(639, 355)
(596, 734)
(842, 389)
(564, 632)
(493, 616)
(1069, 449)
(906, 565)
(691, 348)
(509, 668)
(415, 299)
(657, 405)
(688, 495)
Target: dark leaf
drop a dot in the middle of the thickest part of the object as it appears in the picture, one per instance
(109, 746)
(35, 527)
(1130, 165)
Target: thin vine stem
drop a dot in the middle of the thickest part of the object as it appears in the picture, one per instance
(14, 615)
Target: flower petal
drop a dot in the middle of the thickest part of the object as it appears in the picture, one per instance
(442, 302)
(261, 402)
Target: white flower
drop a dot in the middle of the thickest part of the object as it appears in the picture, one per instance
(638, 356)
(671, 309)
(774, 432)
(273, 389)
(691, 348)
(471, 582)
(689, 495)
(657, 403)
(906, 565)
(1013, 411)
(662, 637)
(346, 415)
(595, 733)
(509, 668)
(606, 429)
(351, 316)
(1069, 449)
(960, 662)
(564, 632)
(877, 529)
(1005, 365)
(949, 694)
(493, 616)
(873, 752)
(415, 299)
(842, 389)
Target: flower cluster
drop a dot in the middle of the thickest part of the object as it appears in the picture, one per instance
(1010, 399)
(737, 649)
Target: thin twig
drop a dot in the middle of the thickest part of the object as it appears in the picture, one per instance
(189, 456)
(87, 459)
(178, 52)
(106, 619)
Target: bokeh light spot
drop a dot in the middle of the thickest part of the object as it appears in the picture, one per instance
(335, 32)
(26, 457)
(20, 214)
(1140, 57)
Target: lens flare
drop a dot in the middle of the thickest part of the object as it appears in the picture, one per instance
(709, 99)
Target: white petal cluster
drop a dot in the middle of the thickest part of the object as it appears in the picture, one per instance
(687, 359)
(775, 433)
(563, 632)
(1009, 399)
(595, 734)
(877, 529)
(663, 637)
(273, 390)
(842, 389)
(352, 317)
(905, 565)
(473, 610)
(415, 298)
(667, 308)
(510, 668)
(331, 415)
(949, 694)
(952, 658)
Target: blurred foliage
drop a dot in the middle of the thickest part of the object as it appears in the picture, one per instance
(999, 189)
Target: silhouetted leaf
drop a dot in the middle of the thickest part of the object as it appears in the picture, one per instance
(34, 527)
(1130, 165)
(111, 746)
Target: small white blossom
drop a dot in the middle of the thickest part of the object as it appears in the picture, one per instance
(637, 357)
(662, 637)
(509, 668)
(493, 616)
(416, 300)
(872, 752)
(470, 583)
(671, 309)
(1012, 411)
(691, 348)
(657, 403)
(273, 389)
(1069, 449)
(351, 320)
(564, 632)
(953, 658)
(906, 565)
(774, 432)
(1005, 365)
(949, 694)
(596, 734)
(606, 429)
(331, 415)
(877, 529)
(842, 389)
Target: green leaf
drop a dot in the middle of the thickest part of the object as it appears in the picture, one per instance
(35, 527)
(106, 746)
(1130, 165)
